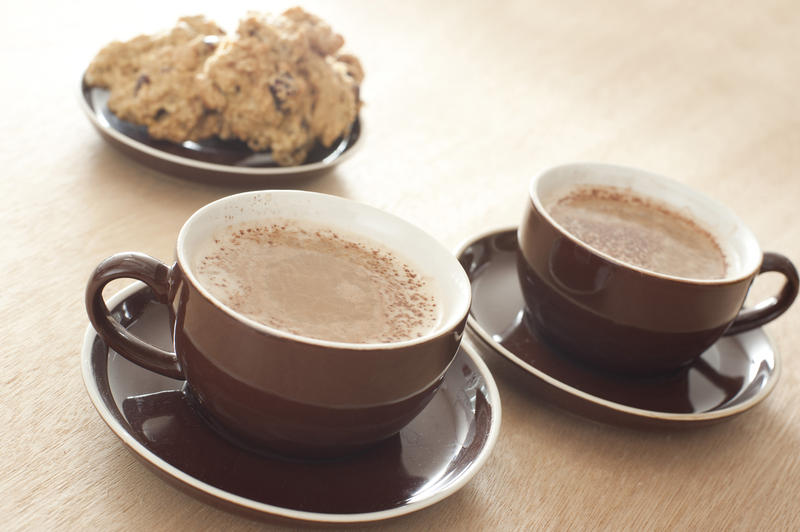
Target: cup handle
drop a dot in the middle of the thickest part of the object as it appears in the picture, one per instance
(771, 308)
(157, 276)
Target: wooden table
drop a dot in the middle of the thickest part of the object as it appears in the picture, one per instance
(465, 101)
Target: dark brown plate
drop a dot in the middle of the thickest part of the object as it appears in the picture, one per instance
(431, 458)
(207, 160)
(729, 378)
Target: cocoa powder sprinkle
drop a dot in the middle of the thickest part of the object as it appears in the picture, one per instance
(407, 307)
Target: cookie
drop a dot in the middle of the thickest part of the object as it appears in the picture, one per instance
(153, 80)
(278, 83)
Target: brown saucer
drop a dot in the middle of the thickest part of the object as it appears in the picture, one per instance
(208, 160)
(431, 458)
(732, 376)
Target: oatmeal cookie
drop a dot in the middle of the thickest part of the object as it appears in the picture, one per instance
(153, 80)
(279, 84)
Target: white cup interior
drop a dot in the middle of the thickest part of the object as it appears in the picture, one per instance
(430, 258)
(742, 253)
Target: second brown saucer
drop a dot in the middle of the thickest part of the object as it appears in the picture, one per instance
(732, 376)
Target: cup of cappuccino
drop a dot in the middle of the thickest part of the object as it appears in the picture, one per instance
(632, 272)
(305, 324)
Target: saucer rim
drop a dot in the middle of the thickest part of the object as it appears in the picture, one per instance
(189, 164)
(670, 417)
(264, 509)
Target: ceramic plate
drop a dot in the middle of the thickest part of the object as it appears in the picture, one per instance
(431, 458)
(209, 160)
(731, 377)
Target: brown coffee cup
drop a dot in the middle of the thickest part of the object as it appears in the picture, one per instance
(273, 389)
(617, 316)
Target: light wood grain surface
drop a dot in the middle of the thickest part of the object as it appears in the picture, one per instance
(465, 101)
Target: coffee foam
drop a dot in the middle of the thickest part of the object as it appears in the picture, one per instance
(317, 282)
(640, 231)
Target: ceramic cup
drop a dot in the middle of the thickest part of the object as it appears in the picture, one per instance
(271, 389)
(623, 318)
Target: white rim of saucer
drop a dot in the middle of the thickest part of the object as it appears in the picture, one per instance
(275, 171)
(94, 394)
(475, 327)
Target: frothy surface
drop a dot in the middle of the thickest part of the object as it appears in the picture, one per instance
(317, 282)
(641, 232)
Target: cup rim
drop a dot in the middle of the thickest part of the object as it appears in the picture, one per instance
(449, 323)
(646, 175)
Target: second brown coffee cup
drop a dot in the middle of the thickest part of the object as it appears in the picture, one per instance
(632, 272)
(272, 360)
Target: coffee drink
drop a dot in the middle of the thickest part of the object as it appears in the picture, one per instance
(303, 324)
(317, 282)
(628, 271)
(639, 231)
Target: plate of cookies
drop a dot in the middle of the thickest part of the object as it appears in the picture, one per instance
(276, 98)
